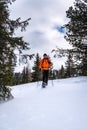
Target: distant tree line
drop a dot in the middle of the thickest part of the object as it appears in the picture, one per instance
(35, 75)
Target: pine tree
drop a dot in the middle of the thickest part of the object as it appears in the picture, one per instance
(77, 32)
(17, 78)
(56, 73)
(71, 63)
(26, 75)
(70, 66)
(36, 74)
(61, 72)
(8, 43)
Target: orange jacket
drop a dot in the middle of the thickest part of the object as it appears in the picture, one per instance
(45, 64)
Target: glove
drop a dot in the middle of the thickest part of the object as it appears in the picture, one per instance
(51, 67)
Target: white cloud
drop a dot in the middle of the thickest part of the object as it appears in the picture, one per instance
(45, 14)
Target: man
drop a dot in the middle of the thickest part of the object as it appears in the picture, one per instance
(45, 64)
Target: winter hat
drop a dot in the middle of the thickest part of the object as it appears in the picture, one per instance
(44, 54)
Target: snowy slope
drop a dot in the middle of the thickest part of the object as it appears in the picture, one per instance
(61, 106)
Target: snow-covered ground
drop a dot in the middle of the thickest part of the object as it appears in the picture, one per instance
(61, 106)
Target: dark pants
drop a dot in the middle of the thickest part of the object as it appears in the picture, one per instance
(45, 76)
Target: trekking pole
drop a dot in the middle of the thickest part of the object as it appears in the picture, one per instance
(52, 77)
(39, 79)
(38, 82)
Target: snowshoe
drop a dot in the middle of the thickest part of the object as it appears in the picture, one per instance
(43, 85)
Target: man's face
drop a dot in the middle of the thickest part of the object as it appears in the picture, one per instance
(45, 56)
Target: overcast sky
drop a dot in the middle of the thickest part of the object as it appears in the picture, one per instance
(44, 31)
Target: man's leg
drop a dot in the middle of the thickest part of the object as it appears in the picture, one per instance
(44, 75)
(47, 75)
(44, 78)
